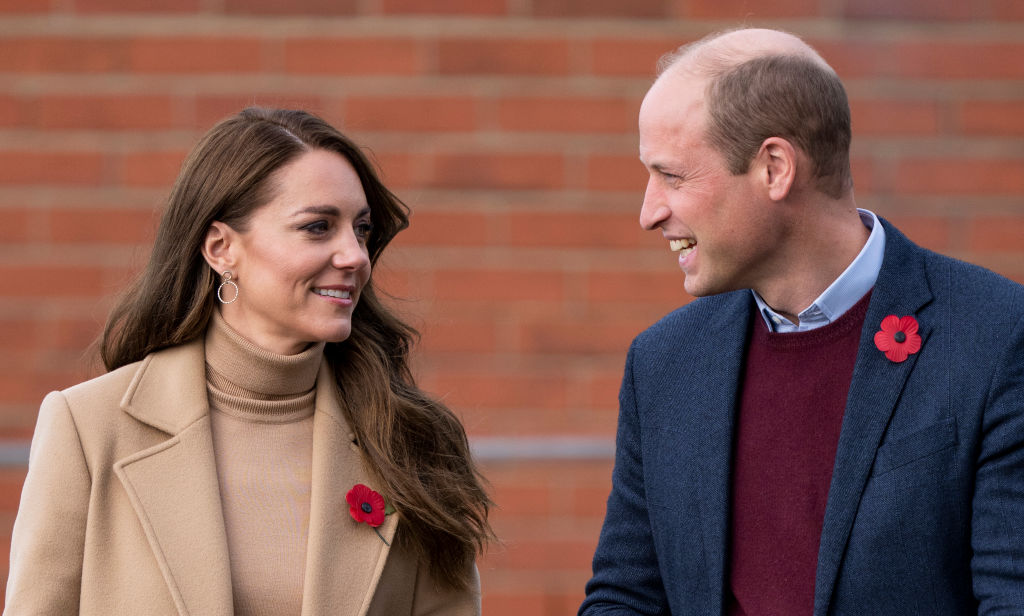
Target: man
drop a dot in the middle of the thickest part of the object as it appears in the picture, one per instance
(836, 425)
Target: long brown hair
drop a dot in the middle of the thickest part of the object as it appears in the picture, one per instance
(415, 445)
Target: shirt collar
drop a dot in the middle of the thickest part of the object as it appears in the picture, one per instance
(855, 281)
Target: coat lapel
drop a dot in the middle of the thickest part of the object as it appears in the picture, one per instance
(901, 289)
(173, 485)
(344, 558)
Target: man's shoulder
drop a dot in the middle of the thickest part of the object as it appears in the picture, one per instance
(970, 276)
(972, 288)
(954, 280)
(700, 317)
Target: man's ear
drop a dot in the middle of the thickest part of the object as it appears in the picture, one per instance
(777, 160)
(220, 246)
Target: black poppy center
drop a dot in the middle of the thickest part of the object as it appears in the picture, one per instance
(367, 508)
(899, 337)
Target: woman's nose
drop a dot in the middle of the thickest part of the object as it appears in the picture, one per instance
(350, 252)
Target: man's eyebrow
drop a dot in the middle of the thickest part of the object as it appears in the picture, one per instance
(664, 169)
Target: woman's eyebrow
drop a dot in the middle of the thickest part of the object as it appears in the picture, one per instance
(328, 210)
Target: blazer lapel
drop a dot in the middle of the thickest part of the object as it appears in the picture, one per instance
(714, 365)
(901, 289)
(173, 485)
(344, 558)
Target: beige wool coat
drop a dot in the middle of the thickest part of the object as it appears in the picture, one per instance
(121, 510)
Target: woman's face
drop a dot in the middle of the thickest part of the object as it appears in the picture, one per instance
(302, 261)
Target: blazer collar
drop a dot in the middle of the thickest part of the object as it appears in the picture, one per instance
(901, 289)
(174, 490)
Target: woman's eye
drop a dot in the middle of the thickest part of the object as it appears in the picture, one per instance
(316, 228)
(364, 229)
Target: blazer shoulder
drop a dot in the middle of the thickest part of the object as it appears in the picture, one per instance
(973, 285)
(964, 287)
(696, 319)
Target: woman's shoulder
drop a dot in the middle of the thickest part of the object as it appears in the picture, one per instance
(121, 379)
(109, 392)
(114, 383)
(101, 409)
(87, 412)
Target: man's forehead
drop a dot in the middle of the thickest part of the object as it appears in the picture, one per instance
(675, 96)
(671, 116)
(738, 46)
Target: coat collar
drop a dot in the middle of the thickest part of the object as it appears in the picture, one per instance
(901, 289)
(168, 391)
(344, 559)
(174, 491)
(173, 485)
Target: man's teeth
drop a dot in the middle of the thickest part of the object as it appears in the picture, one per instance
(683, 244)
(333, 293)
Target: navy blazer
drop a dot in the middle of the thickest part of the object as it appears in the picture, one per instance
(925, 511)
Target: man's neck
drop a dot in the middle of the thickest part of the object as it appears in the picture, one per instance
(821, 247)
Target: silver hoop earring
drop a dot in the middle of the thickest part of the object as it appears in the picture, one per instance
(227, 281)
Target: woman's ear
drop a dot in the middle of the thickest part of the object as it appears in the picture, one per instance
(778, 160)
(219, 246)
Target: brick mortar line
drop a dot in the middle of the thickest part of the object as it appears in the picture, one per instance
(566, 260)
(283, 83)
(511, 142)
(341, 87)
(569, 145)
(953, 145)
(115, 257)
(455, 201)
(427, 26)
(491, 201)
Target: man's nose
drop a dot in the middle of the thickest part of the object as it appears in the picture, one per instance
(654, 210)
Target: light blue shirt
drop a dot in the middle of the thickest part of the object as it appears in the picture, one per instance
(845, 291)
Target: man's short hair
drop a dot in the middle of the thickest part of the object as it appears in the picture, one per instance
(790, 96)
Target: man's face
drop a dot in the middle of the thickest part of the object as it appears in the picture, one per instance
(716, 221)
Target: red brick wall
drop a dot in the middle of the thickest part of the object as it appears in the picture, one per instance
(509, 127)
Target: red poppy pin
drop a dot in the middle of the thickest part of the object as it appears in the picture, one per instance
(898, 337)
(368, 507)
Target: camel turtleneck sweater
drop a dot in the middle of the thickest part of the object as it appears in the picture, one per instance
(261, 411)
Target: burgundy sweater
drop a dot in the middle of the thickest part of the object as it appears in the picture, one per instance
(791, 410)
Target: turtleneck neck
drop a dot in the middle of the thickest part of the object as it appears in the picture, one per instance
(238, 367)
(261, 418)
(254, 384)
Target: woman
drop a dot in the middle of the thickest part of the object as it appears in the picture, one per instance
(259, 445)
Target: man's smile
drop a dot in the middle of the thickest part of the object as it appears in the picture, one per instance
(684, 246)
